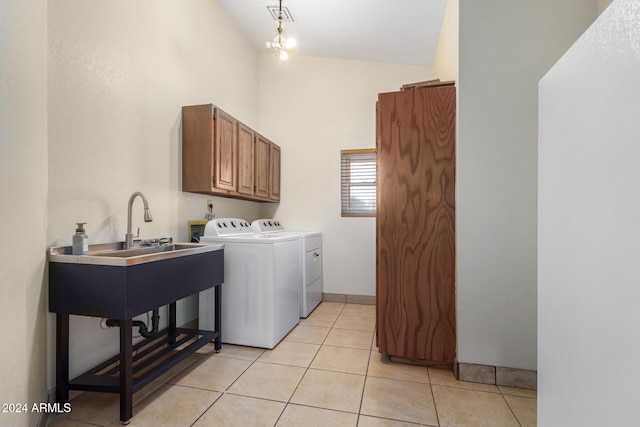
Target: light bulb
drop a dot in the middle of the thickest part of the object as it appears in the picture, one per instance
(290, 44)
(283, 55)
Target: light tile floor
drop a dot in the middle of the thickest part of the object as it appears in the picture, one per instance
(326, 372)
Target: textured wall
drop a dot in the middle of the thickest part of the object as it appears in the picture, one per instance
(23, 195)
(588, 249)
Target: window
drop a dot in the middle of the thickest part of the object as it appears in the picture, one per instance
(358, 182)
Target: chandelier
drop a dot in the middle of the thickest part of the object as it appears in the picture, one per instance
(280, 45)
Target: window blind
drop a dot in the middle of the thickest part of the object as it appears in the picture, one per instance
(358, 182)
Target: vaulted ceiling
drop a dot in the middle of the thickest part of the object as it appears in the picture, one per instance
(393, 31)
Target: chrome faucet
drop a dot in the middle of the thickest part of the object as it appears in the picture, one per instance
(128, 238)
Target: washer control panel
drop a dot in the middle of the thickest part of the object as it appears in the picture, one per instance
(227, 227)
(266, 226)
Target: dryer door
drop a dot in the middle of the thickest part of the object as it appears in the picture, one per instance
(312, 265)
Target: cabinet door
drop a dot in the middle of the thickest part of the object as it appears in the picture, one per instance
(246, 159)
(225, 151)
(415, 243)
(274, 172)
(262, 166)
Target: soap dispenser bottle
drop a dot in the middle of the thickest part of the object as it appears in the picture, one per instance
(80, 240)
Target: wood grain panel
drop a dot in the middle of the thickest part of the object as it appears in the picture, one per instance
(415, 240)
(246, 160)
(225, 151)
(263, 146)
(274, 172)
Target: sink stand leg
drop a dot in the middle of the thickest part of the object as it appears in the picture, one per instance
(218, 317)
(126, 371)
(62, 358)
(172, 320)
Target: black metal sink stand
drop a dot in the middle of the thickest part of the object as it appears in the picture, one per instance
(126, 373)
(122, 292)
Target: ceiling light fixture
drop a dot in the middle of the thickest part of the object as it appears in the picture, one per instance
(280, 45)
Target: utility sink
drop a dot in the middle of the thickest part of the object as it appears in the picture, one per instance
(113, 282)
(115, 254)
(136, 252)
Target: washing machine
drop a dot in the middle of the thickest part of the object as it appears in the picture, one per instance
(261, 292)
(310, 261)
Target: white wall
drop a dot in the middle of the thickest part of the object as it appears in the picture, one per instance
(119, 73)
(589, 233)
(313, 108)
(445, 63)
(23, 191)
(505, 48)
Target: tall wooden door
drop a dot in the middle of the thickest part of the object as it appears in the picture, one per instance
(415, 243)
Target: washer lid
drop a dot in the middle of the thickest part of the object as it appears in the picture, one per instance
(259, 239)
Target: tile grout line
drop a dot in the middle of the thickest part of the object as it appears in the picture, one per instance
(509, 406)
(288, 402)
(433, 396)
(213, 354)
(364, 386)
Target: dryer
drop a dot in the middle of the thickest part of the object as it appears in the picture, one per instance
(261, 292)
(310, 279)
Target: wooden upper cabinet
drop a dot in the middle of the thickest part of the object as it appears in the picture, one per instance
(274, 173)
(246, 160)
(223, 157)
(263, 146)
